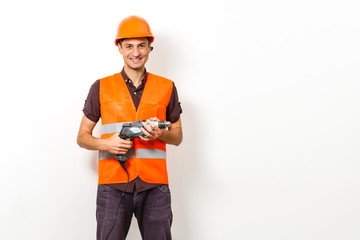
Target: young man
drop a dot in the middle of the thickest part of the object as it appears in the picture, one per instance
(131, 95)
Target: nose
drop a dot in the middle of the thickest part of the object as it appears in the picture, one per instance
(136, 52)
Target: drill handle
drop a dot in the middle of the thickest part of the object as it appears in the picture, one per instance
(124, 136)
(119, 157)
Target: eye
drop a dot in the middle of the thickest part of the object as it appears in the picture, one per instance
(142, 45)
(128, 46)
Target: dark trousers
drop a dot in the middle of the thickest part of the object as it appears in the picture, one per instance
(152, 209)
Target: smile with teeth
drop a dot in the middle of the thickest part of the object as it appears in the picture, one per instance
(135, 60)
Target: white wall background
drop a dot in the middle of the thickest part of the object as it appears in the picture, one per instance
(270, 93)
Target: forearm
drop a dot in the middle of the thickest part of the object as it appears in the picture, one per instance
(87, 141)
(173, 136)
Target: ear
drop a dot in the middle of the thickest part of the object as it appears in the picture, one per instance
(120, 48)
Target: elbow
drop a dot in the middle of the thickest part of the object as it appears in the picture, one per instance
(79, 142)
(173, 141)
(179, 141)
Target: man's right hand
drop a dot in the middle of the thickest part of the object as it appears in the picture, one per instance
(116, 145)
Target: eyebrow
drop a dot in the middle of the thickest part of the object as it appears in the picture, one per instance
(131, 44)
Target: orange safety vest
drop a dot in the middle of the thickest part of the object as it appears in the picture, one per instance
(147, 159)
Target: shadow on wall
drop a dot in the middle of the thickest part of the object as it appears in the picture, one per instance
(183, 167)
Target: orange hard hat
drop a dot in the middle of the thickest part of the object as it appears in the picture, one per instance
(132, 27)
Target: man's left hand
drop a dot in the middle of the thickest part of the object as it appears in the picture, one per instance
(151, 130)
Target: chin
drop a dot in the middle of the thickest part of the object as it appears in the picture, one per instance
(136, 67)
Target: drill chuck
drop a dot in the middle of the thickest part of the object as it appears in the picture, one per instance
(162, 124)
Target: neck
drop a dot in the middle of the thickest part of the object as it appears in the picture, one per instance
(136, 75)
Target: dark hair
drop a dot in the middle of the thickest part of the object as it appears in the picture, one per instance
(122, 39)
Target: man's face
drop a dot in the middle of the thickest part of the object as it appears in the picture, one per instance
(135, 52)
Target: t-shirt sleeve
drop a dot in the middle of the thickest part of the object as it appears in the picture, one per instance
(92, 104)
(173, 109)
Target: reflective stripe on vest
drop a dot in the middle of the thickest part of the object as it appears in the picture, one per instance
(111, 128)
(140, 153)
(107, 155)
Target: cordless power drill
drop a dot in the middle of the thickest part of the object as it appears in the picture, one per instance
(132, 130)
